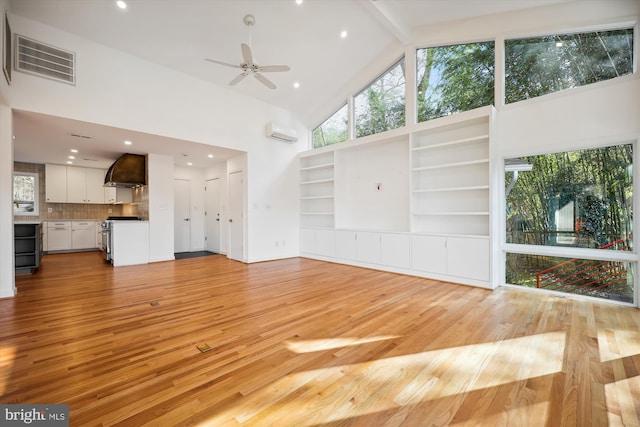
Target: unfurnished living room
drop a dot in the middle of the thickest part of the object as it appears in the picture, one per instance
(319, 213)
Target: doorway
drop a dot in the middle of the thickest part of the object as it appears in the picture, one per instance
(236, 227)
(181, 215)
(212, 215)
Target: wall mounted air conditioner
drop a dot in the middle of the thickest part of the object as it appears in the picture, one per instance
(280, 133)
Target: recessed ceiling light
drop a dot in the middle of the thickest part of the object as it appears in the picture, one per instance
(210, 156)
(72, 157)
(121, 4)
(296, 84)
(69, 162)
(73, 150)
(189, 164)
(128, 143)
(344, 34)
(298, 2)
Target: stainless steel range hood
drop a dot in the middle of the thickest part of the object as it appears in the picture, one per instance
(130, 170)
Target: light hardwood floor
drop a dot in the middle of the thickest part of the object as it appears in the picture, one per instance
(301, 343)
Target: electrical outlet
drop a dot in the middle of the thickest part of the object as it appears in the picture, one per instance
(49, 210)
(110, 210)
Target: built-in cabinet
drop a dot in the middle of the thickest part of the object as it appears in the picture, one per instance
(70, 235)
(27, 246)
(416, 202)
(74, 184)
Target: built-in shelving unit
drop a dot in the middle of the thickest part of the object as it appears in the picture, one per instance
(317, 190)
(450, 179)
(27, 247)
(414, 201)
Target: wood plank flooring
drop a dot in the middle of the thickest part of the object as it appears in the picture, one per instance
(300, 342)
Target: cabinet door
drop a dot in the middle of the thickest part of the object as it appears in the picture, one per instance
(94, 182)
(59, 238)
(429, 253)
(369, 247)
(325, 243)
(55, 178)
(395, 250)
(109, 194)
(83, 235)
(307, 240)
(76, 185)
(346, 245)
(468, 257)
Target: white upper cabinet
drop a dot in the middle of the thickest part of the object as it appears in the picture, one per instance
(55, 178)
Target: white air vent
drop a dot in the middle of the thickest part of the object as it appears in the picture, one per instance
(43, 60)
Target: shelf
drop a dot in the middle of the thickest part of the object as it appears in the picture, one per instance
(471, 140)
(316, 197)
(438, 190)
(454, 213)
(450, 165)
(318, 181)
(323, 166)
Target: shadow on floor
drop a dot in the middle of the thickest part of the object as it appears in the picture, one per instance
(196, 254)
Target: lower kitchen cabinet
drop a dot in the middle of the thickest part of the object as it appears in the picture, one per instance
(58, 235)
(70, 235)
(83, 235)
(27, 246)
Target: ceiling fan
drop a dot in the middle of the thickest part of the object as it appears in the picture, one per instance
(249, 67)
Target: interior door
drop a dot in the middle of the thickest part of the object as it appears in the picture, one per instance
(212, 215)
(181, 215)
(236, 234)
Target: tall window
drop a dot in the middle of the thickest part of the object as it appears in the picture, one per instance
(576, 199)
(381, 105)
(451, 79)
(540, 65)
(25, 193)
(332, 130)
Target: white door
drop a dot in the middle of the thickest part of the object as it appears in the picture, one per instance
(181, 216)
(212, 215)
(236, 235)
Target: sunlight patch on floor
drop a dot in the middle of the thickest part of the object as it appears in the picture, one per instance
(7, 355)
(336, 393)
(614, 344)
(309, 346)
(624, 410)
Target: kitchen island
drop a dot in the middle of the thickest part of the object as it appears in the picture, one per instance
(129, 242)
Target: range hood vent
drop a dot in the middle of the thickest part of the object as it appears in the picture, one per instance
(130, 170)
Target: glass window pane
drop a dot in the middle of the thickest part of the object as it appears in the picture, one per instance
(333, 130)
(25, 194)
(381, 106)
(451, 79)
(611, 280)
(578, 198)
(540, 65)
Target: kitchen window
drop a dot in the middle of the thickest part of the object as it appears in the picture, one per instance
(25, 193)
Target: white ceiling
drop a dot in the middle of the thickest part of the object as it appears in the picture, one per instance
(180, 33)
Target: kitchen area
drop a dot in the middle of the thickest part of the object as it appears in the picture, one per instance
(85, 209)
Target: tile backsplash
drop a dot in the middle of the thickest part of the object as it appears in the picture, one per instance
(138, 207)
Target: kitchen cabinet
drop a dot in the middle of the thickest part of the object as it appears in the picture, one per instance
(117, 195)
(85, 185)
(58, 235)
(27, 246)
(83, 235)
(55, 178)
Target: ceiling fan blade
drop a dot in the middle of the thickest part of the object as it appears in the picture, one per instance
(265, 81)
(222, 63)
(246, 53)
(237, 79)
(274, 68)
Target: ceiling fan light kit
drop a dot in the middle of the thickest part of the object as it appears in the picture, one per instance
(249, 67)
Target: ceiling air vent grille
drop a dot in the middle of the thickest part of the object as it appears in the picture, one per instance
(43, 60)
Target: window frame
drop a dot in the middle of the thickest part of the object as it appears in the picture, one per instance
(329, 117)
(36, 190)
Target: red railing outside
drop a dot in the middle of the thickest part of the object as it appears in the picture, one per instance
(580, 275)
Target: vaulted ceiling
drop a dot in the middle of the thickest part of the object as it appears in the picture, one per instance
(180, 34)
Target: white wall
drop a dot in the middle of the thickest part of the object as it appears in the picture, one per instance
(117, 89)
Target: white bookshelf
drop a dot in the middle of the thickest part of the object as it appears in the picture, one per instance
(450, 179)
(317, 190)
